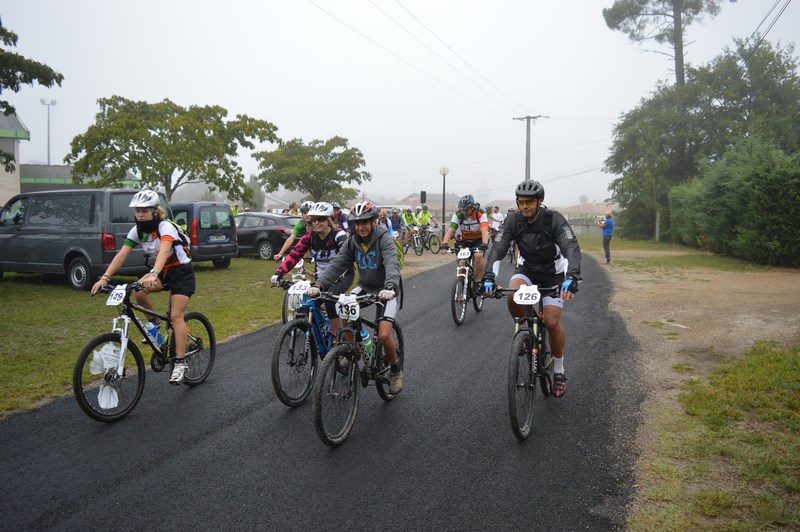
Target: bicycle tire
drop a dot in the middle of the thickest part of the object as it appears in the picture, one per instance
(418, 246)
(336, 396)
(434, 244)
(521, 382)
(458, 300)
(406, 246)
(294, 363)
(383, 362)
(201, 348)
(95, 386)
(547, 376)
(477, 299)
(287, 312)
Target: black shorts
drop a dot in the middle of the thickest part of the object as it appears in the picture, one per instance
(180, 279)
(470, 243)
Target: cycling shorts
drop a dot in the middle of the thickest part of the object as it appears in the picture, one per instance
(547, 301)
(180, 279)
(386, 311)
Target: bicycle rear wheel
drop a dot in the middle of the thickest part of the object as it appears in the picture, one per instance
(336, 394)
(434, 244)
(294, 362)
(101, 392)
(458, 300)
(521, 385)
(382, 381)
(477, 299)
(201, 348)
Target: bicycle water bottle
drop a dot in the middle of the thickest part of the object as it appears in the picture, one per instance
(154, 333)
(366, 342)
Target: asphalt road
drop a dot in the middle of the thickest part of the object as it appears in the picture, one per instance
(227, 454)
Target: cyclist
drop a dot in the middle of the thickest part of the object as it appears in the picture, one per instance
(425, 217)
(398, 224)
(549, 255)
(383, 220)
(497, 218)
(373, 251)
(474, 230)
(300, 228)
(410, 218)
(324, 242)
(173, 266)
(339, 217)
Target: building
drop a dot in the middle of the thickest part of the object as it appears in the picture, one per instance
(35, 177)
(12, 130)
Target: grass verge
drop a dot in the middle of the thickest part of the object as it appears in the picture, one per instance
(729, 457)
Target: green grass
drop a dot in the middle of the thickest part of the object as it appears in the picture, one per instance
(46, 324)
(729, 459)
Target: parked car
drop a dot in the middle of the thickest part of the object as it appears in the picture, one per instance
(71, 232)
(211, 228)
(263, 233)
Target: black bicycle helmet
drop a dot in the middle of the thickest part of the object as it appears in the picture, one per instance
(362, 211)
(530, 188)
(466, 202)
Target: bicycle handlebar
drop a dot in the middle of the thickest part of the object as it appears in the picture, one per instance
(500, 291)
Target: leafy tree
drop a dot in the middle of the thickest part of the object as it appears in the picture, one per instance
(741, 93)
(166, 145)
(660, 20)
(16, 70)
(320, 168)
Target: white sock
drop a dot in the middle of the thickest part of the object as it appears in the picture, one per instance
(559, 365)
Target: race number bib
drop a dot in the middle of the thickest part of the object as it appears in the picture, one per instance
(116, 296)
(527, 295)
(299, 287)
(347, 307)
(464, 253)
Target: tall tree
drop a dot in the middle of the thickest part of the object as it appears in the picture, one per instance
(320, 168)
(15, 71)
(662, 21)
(166, 145)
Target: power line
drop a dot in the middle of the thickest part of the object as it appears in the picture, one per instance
(434, 52)
(403, 60)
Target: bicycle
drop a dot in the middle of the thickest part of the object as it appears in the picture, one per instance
(531, 358)
(298, 347)
(108, 379)
(337, 389)
(416, 240)
(465, 287)
(430, 240)
(290, 303)
(512, 252)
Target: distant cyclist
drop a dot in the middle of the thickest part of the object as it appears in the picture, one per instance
(474, 230)
(550, 256)
(425, 217)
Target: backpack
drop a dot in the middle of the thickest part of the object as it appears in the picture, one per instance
(185, 241)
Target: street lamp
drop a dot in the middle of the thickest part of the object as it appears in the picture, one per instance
(444, 171)
(48, 104)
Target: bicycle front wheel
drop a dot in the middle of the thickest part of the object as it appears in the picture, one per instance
(336, 394)
(418, 246)
(289, 308)
(383, 365)
(546, 367)
(201, 348)
(102, 393)
(294, 362)
(434, 244)
(521, 385)
(458, 300)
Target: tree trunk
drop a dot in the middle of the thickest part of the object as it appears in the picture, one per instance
(677, 37)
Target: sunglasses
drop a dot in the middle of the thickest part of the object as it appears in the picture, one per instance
(527, 202)
(319, 219)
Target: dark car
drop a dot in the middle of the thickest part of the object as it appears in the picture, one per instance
(263, 233)
(75, 233)
(211, 228)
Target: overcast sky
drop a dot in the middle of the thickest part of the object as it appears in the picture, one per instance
(415, 84)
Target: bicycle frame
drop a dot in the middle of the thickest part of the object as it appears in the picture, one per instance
(320, 325)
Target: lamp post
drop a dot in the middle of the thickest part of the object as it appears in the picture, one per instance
(444, 171)
(48, 104)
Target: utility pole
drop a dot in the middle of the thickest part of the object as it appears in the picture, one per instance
(528, 120)
(49, 105)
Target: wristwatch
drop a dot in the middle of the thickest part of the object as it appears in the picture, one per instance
(153, 271)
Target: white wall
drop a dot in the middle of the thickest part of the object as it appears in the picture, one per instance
(9, 183)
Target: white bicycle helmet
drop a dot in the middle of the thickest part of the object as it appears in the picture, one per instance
(363, 211)
(321, 209)
(144, 198)
(305, 206)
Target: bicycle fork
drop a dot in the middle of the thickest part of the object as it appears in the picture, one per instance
(123, 342)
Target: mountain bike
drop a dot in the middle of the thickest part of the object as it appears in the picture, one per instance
(290, 303)
(531, 358)
(351, 365)
(465, 287)
(300, 344)
(417, 241)
(109, 374)
(431, 241)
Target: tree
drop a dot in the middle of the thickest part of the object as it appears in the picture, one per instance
(166, 145)
(660, 20)
(16, 70)
(321, 169)
(258, 198)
